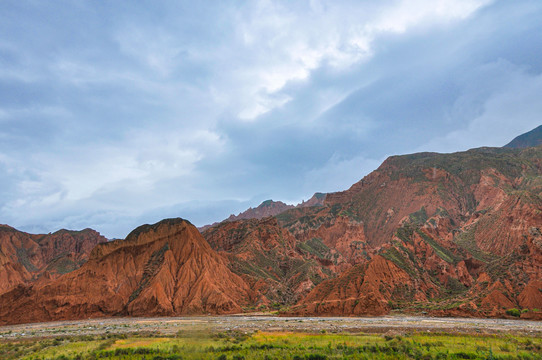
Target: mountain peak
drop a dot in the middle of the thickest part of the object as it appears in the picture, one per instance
(316, 200)
(171, 270)
(146, 228)
(266, 208)
(529, 139)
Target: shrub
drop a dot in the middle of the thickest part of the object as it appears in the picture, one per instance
(316, 357)
(513, 312)
(464, 355)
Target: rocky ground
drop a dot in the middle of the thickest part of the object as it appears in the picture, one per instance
(172, 325)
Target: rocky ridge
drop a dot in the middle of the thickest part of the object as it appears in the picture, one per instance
(446, 234)
(25, 258)
(529, 139)
(163, 269)
(270, 208)
(459, 231)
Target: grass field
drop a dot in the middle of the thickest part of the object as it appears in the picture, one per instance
(275, 345)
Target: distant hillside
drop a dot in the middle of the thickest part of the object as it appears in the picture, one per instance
(270, 208)
(529, 139)
(447, 234)
(316, 200)
(440, 234)
(265, 209)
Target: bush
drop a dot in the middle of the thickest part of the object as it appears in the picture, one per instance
(513, 312)
(464, 355)
(316, 357)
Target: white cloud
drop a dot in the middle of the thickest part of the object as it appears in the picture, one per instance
(283, 46)
(127, 172)
(411, 13)
(146, 114)
(141, 162)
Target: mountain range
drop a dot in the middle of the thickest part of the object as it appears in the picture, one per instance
(443, 234)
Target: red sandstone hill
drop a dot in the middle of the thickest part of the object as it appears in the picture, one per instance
(26, 257)
(442, 233)
(163, 269)
(269, 258)
(461, 231)
(447, 234)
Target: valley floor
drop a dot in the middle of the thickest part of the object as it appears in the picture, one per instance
(245, 323)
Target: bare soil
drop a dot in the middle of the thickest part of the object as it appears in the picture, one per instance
(244, 323)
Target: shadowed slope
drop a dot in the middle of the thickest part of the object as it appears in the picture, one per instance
(529, 139)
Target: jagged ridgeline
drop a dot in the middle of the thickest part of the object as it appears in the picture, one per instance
(25, 258)
(162, 269)
(445, 234)
(460, 231)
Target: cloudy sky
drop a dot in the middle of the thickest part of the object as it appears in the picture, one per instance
(118, 113)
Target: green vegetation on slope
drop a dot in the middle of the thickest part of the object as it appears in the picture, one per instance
(62, 264)
(442, 252)
(468, 164)
(22, 255)
(467, 242)
(314, 246)
(398, 259)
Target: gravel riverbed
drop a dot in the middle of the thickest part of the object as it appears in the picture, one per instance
(251, 323)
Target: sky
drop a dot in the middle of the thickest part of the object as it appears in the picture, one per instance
(119, 113)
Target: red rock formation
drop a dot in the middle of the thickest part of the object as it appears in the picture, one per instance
(267, 256)
(317, 199)
(163, 269)
(265, 209)
(464, 227)
(362, 290)
(449, 234)
(531, 296)
(26, 257)
(456, 224)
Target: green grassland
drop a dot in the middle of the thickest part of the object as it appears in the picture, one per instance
(275, 345)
